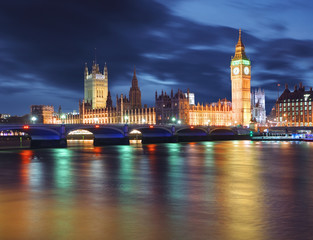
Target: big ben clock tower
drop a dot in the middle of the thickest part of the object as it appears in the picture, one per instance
(240, 81)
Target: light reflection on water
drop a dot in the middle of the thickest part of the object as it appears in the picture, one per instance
(208, 190)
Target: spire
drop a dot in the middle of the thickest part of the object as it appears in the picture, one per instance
(135, 93)
(135, 80)
(239, 39)
(109, 103)
(86, 69)
(105, 71)
(95, 56)
(240, 49)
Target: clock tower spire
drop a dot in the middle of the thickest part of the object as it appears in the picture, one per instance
(241, 87)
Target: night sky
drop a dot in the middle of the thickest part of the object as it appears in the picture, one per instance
(174, 44)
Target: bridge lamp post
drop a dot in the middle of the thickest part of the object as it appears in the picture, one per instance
(143, 121)
(179, 122)
(96, 120)
(173, 119)
(209, 121)
(126, 119)
(33, 119)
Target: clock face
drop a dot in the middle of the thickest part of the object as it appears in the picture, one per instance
(246, 70)
(236, 71)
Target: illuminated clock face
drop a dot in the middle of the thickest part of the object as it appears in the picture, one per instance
(236, 71)
(246, 70)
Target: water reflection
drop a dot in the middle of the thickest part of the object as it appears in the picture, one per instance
(208, 190)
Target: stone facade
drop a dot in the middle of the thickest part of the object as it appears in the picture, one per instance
(241, 88)
(258, 106)
(295, 108)
(42, 113)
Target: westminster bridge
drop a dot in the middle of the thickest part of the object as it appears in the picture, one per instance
(55, 135)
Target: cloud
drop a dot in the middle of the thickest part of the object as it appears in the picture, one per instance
(43, 49)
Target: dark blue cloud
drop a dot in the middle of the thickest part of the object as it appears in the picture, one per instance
(44, 46)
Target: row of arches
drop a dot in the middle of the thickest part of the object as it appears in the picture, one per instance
(112, 132)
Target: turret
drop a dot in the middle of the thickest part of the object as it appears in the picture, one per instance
(86, 70)
(109, 103)
(105, 72)
(240, 49)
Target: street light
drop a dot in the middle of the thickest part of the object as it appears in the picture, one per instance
(209, 121)
(143, 121)
(96, 120)
(126, 119)
(179, 122)
(34, 119)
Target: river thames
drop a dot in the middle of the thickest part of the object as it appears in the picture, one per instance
(206, 190)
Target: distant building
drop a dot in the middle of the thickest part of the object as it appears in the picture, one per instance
(258, 106)
(4, 118)
(295, 108)
(240, 83)
(216, 113)
(43, 113)
(170, 109)
(96, 86)
(181, 107)
(176, 108)
(191, 98)
(97, 107)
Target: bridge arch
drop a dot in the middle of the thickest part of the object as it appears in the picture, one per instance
(99, 130)
(222, 132)
(153, 131)
(191, 131)
(35, 132)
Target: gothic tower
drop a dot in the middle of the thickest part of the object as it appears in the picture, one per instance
(96, 86)
(135, 93)
(240, 80)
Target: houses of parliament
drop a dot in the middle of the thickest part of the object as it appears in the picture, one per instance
(97, 106)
